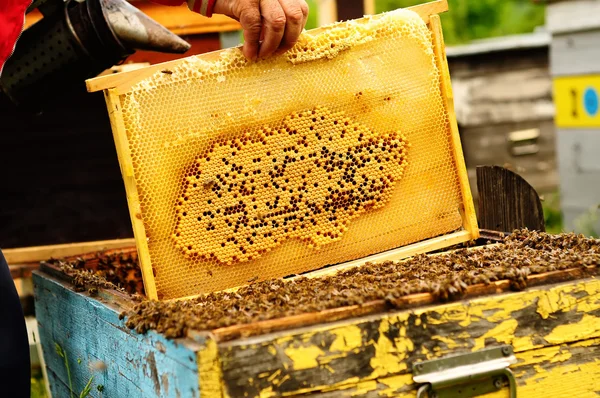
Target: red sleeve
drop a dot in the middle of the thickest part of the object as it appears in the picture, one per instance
(12, 20)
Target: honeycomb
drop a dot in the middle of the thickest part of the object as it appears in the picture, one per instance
(306, 179)
(339, 149)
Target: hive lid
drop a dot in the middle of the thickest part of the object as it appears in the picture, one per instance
(343, 150)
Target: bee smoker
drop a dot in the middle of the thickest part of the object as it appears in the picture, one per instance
(77, 40)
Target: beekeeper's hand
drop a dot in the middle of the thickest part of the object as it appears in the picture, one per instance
(271, 27)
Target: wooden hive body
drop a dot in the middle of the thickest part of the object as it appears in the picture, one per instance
(553, 328)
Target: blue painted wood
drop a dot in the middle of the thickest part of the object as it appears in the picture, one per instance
(98, 344)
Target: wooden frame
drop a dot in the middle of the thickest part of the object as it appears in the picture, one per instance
(116, 120)
(120, 83)
(36, 254)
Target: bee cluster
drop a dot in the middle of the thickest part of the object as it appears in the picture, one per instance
(118, 271)
(306, 179)
(446, 276)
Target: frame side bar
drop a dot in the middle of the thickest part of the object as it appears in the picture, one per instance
(468, 208)
(115, 114)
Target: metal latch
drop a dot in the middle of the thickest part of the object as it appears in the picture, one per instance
(467, 375)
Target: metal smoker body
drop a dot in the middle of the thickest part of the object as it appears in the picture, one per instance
(75, 41)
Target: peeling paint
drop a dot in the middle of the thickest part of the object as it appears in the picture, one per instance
(386, 359)
(364, 387)
(304, 357)
(347, 340)
(209, 370)
(362, 350)
(588, 327)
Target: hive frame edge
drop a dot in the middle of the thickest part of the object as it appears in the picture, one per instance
(123, 81)
(113, 104)
(467, 209)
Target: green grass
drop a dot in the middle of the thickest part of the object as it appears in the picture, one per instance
(478, 19)
(552, 214)
(586, 223)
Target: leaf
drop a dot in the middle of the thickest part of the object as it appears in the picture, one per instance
(88, 387)
(59, 350)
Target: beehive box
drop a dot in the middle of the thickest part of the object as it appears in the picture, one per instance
(367, 350)
(421, 202)
(342, 150)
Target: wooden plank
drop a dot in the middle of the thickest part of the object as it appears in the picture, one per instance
(365, 349)
(552, 372)
(120, 136)
(40, 253)
(123, 81)
(97, 343)
(468, 208)
(427, 10)
(507, 202)
(23, 270)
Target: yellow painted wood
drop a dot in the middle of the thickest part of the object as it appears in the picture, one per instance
(124, 68)
(492, 317)
(544, 373)
(116, 121)
(577, 101)
(468, 210)
(41, 253)
(209, 371)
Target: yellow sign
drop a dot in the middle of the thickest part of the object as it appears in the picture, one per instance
(577, 100)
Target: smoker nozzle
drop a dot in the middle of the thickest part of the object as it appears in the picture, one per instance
(137, 31)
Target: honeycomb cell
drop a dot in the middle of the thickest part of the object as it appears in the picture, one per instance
(241, 172)
(305, 179)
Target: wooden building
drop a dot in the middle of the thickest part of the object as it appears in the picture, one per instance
(503, 100)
